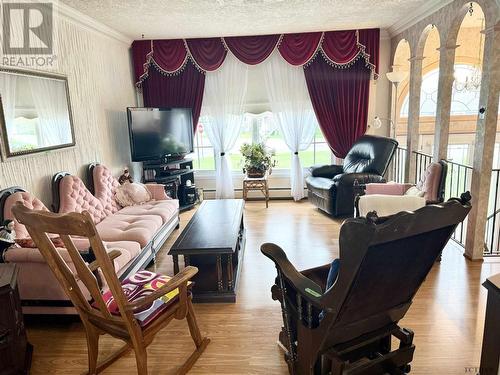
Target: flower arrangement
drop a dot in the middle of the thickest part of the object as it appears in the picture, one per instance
(257, 159)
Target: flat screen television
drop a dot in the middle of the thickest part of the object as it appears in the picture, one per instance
(156, 133)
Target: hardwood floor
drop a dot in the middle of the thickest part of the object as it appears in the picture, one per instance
(447, 315)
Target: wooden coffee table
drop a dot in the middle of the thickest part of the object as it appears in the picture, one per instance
(213, 241)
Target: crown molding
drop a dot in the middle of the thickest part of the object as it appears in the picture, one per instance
(426, 10)
(88, 23)
(384, 34)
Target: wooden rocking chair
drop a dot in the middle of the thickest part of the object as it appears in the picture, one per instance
(96, 316)
(347, 328)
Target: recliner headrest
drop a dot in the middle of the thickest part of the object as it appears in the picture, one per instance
(370, 154)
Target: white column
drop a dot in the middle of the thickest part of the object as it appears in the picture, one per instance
(445, 87)
(413, 116)
(484, 145)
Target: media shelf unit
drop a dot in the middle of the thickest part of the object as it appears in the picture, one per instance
(173, 174)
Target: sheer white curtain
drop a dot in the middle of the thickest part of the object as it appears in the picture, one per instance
(8, 84)
(223, 102)
(292, 109)
(52, 110)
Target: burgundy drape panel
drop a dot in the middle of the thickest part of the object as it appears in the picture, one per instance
(208, 53)
(181, 90)
(298, 49)
(340, 101)
(252, 50)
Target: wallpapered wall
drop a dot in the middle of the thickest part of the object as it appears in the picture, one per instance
(100, 84)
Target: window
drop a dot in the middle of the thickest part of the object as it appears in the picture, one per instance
(203, 150)
(23, 134)
(462, 103)
(458, 153)
(260, 128)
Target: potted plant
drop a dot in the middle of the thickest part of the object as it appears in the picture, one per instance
(257, 159)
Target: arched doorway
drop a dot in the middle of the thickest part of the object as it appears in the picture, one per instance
(428, 47)
(466, 86)
(399, 129)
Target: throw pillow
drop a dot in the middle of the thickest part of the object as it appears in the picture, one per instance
(130, 194)
(415, 192)
(333, 273)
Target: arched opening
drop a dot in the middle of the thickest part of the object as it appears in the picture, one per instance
(467, 86)
(429, 91)
(401, 63)
(428, 45)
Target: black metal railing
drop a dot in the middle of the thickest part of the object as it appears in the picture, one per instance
(397, 167)
(492, 236)
(422, 161)
(458, 180)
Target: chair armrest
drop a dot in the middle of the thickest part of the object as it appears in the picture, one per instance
(307, 288)
(326, 171)
(157, 191)
(175, 282)
(318, 274)
(363, 178)
(387, 189)
(112, 255)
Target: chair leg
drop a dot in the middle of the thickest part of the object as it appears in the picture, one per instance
(200, 342)
(193, 324)
(141, 359)
(141, 356)
(92, 347)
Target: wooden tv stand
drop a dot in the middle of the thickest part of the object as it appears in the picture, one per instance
(174, 174)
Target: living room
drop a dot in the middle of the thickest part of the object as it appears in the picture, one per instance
(245, 172)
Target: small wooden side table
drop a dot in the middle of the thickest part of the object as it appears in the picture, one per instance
(256, 183)
(15, 350)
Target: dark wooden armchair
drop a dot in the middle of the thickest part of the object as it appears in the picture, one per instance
(116, 312)
(347, 329)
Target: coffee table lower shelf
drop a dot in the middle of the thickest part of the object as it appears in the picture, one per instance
(218, 273)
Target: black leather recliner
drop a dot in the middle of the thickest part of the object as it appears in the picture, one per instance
(330, 187)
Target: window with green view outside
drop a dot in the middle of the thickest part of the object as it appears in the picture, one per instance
(260, 128)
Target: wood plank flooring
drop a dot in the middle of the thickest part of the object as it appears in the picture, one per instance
(447, 315)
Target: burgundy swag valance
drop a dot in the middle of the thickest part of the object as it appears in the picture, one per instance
(338, 82)
(339, 48)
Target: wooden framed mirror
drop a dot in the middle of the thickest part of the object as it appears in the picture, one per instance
(35, 112)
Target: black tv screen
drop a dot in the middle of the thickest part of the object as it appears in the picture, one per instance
(159, 132)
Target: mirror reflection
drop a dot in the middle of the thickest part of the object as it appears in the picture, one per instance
(36, 112)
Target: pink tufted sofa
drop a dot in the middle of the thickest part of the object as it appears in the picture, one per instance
(149, 224)
(38, 288)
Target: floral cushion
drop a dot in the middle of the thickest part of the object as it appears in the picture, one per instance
(30, 244)
(139, 286)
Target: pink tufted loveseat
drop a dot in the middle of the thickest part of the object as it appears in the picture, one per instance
(38, 288)
(149, 224)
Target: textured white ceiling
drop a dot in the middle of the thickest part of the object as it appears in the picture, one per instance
(206, 18)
